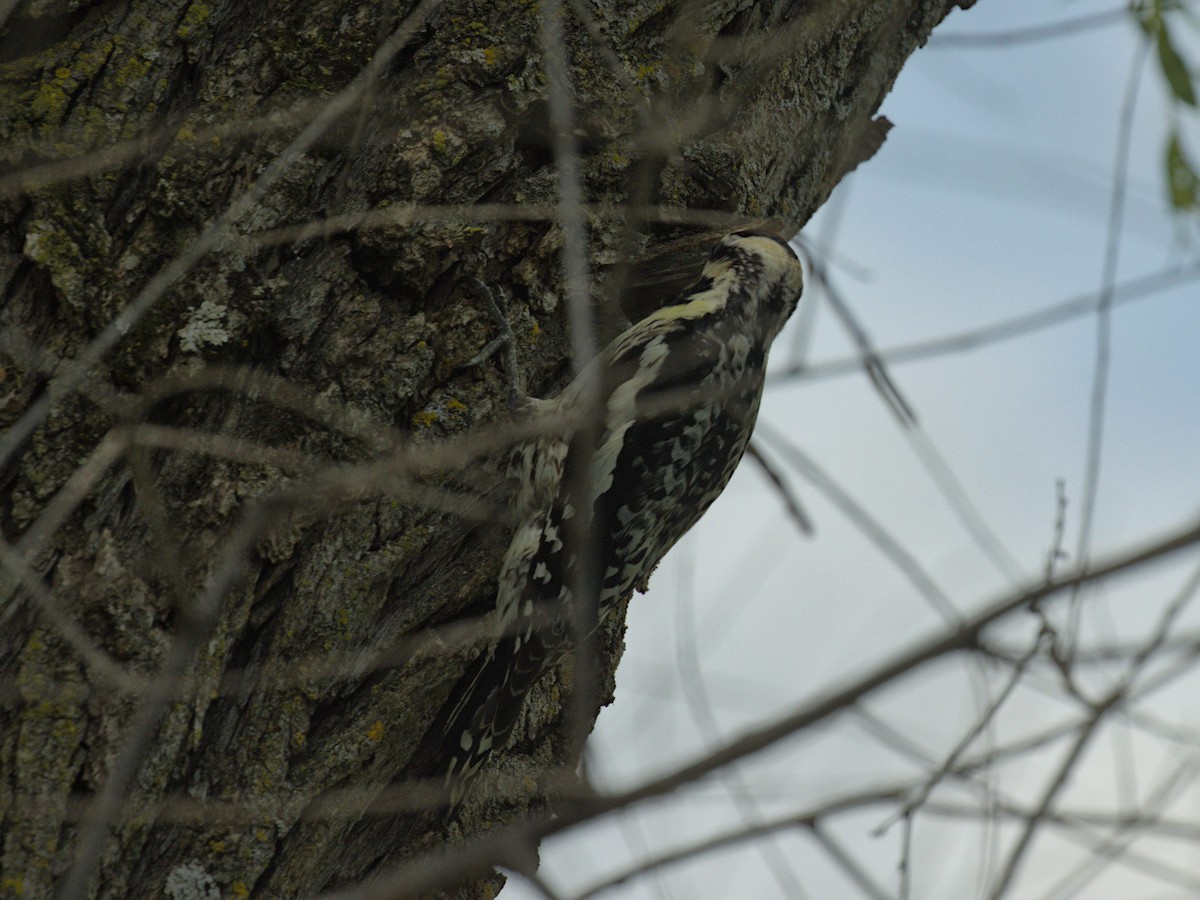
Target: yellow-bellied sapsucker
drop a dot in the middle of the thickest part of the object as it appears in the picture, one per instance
(681, 391)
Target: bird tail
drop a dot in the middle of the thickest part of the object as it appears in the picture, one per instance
(481, 711)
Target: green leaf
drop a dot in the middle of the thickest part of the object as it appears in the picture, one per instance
(1174, 69)
(1182, 180)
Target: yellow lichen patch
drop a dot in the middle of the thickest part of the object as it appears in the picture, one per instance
(239, 889)
(13, 884)
(50, 101)
(216, 846)
(647, 71)
(54, 79)
(195, 17)
(489, 56)
(375, 732)
(425, 418)
(131, 71)
(456, 405)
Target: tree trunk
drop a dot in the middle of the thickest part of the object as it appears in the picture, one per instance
(235, 494)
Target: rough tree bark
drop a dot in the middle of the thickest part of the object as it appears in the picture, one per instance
(128, 127)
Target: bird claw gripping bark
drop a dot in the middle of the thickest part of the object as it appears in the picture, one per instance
(504, 341)
(680, 392)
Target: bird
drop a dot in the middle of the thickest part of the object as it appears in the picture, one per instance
(675, 398)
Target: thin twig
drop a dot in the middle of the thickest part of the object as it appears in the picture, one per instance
(1031, 33)
(875, 532)
(581, 326)
(1108, 279)
(791, 503)
(846, 862)
(699, 704)
(1115, 846)
(1136, 289)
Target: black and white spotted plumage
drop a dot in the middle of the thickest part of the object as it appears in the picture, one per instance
(682, 390)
